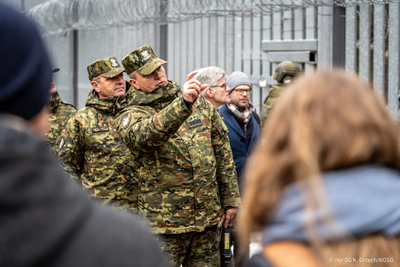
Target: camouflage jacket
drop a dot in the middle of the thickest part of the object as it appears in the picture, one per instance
(274, 92)
(186, 169)
(60, 112)
(93, 153)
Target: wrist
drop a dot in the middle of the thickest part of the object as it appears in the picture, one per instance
(188, 103)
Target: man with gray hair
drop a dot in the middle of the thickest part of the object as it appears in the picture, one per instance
(217, 92)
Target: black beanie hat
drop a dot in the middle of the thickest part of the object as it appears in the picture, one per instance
(25, 70)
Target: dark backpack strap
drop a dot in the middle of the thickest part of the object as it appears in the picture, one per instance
(257, 117)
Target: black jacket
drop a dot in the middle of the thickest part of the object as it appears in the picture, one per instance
(47, 220)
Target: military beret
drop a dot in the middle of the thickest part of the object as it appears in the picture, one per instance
(143, 60)
(107, 67)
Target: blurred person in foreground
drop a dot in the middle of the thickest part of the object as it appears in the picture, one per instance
(45, 218)
(324, 185)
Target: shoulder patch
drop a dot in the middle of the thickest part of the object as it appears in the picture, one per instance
(125, 121)
(194, 122)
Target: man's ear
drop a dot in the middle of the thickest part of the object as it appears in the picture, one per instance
(209, 92)
(134, 83)
(95, 86)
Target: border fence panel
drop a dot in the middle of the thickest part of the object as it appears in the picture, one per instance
(379, 71)
(252, 36)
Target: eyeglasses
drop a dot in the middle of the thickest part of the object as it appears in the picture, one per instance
(241, 91)
(222, 86)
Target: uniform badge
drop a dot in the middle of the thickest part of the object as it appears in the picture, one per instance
(113, 63)
(125, 122)
(61, 143)
(145, 55)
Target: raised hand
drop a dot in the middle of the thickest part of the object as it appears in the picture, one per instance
(192, 87)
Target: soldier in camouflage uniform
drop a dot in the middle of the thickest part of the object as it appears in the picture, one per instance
(186, 171)
(60, 112)
(92, 150)
(284, 74)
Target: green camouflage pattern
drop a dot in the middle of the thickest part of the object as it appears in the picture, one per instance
(192, 249)
(142, 59)
(107, 68)
(274, 92)
(186, 169)
(60, 112)
(93, 153)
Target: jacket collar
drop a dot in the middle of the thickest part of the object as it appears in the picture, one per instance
(54, 101)
(104, 104)
(231, 121)
(161, 94)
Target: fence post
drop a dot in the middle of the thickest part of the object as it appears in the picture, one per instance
(73, 67)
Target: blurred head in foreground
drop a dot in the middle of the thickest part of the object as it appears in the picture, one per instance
(326, 172)
(26, 77)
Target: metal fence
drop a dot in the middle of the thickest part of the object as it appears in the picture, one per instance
(248, 35)
(375, 53)
(240, 42)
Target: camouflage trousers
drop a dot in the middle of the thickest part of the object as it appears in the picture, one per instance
(192, 249)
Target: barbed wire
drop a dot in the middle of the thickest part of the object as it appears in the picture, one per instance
(55, 16)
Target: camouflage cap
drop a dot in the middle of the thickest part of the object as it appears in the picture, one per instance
(107, 67)
(142, 59)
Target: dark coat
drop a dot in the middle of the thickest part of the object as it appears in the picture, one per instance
(240, 148)
(46, 219)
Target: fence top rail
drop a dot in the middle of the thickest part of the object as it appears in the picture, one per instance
(59, 16)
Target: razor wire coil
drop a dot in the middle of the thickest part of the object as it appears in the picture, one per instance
(56, 16)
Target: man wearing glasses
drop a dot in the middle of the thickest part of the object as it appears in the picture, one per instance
(244, 130)
(216, 92)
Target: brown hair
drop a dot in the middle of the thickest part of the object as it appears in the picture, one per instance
(324, 121)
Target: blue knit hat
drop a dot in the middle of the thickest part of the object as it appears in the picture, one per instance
(25, 70)
(237, 78)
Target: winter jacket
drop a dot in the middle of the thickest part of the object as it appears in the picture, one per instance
(186, 169)
(94, 154)
(241, 147)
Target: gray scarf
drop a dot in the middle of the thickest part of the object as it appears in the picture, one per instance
(360, 201)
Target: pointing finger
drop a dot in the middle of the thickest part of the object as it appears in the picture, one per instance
(190, 75)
